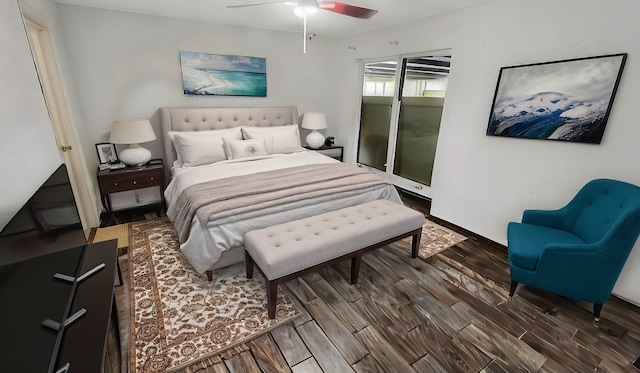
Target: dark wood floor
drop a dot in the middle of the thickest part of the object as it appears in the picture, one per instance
(449, 313)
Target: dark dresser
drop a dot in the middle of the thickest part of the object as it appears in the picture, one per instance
(56, 309)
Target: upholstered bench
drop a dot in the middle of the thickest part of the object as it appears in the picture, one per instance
(289, 250)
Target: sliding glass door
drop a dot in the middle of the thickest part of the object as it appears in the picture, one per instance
(401, 107)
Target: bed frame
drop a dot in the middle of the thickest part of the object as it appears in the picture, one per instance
(210, 118)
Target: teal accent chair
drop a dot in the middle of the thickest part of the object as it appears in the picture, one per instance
(579, 250)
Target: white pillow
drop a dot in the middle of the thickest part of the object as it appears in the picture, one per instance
(201, 147)
(286, 139)
(247, 148)
(226, 143)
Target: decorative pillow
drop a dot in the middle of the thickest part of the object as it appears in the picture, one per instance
(202, 147)
(286, 139)
(247, 148)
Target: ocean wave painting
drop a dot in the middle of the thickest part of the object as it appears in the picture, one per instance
(566, 100)
(225, 75)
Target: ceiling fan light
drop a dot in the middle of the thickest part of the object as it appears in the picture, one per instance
(299, 10)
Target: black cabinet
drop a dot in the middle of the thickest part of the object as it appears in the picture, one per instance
(56, 310)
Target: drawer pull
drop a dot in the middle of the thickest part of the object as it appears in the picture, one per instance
(64, 369)
(151, 179)
(115, 184)
(135, 182)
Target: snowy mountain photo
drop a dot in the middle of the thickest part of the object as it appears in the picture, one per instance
(565, 100)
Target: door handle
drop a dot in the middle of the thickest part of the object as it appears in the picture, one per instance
(66, 147)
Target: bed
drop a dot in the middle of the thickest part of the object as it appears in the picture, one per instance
(213, 199)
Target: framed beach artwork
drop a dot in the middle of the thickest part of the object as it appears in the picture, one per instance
(223, 75)
(567, 100)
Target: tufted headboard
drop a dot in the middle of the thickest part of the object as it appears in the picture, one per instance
(209, 118)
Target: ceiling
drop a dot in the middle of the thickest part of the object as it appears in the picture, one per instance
(279, 16)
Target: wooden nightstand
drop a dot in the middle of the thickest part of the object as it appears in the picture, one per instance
(131, 178)
(333, 151)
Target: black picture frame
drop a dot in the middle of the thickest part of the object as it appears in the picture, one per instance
(107, 153)
(567, 100)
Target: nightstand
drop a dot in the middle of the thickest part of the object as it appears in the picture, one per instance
(333, 151)
(131, 178)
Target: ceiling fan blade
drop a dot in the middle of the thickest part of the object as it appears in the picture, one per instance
(254, 4)
(347, 10)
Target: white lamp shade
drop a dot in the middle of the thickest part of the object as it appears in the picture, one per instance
(132, 131)
(314, 121)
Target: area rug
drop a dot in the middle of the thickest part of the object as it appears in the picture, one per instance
(180, 322)
(435, 239)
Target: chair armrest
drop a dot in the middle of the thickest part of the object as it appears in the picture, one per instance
(545, 218)
(568, 269)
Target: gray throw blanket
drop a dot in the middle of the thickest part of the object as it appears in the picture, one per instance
(226, 197)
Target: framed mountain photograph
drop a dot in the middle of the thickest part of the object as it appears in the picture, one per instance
(567, 100)
(223, 75)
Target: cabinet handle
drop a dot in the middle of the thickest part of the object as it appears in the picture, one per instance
(151, 179)
(64, 369)
(135, 182)
(115, 184)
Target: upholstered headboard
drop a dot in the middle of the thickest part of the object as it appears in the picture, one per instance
(209, 118)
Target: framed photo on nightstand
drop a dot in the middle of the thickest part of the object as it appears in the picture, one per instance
(107, 153)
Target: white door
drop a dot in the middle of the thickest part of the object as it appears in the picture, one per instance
(55, 99)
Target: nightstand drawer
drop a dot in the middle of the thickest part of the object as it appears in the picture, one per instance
(119, 183)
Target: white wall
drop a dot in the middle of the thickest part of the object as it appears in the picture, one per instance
(28, 150)
(126, 65)
(484, 182)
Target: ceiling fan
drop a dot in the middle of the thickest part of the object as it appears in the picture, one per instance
(312, 6)
(305, 7)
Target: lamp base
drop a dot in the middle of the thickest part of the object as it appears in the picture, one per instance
(135, 155)
(315, 139)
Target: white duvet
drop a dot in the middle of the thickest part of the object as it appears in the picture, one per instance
(205, 244)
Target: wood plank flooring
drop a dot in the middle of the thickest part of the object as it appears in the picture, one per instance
(448, 313)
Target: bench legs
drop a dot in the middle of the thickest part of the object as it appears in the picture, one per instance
(355, 268)
(415, 243)
(272, 297)
(272, 285)
(249, 264)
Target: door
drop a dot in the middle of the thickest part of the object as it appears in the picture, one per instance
(54, 96)
(401, 109)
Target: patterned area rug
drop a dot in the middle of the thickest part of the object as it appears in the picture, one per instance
(180, 322)
(435, 239)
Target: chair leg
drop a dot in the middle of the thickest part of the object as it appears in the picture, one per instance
(597, 307)
(512, 290)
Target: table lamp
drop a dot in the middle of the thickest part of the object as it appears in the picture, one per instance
(314, 122)
(133, 132)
